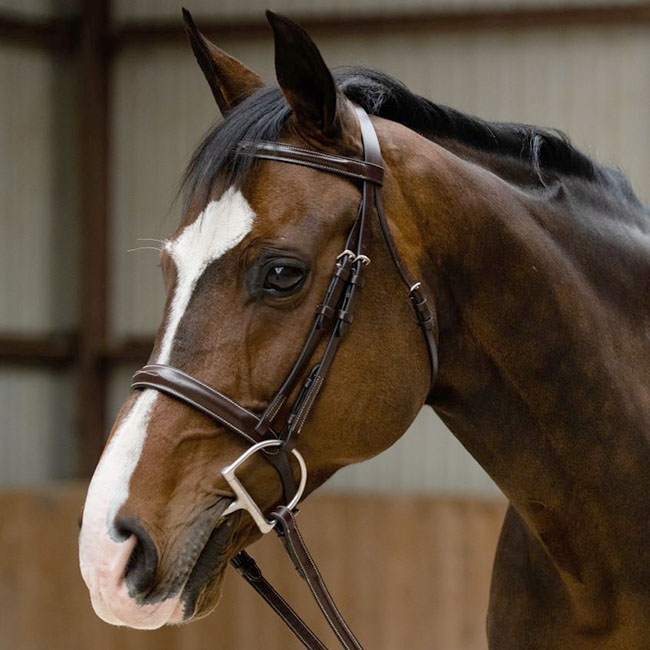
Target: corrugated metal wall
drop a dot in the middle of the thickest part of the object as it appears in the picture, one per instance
(38, 253)
(592, 82)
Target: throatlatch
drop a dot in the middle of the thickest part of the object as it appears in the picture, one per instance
(334, 315)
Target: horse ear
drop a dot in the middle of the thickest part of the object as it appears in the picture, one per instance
(304, 78)
(230, 80)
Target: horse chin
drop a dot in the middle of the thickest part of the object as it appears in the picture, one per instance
(202, 590)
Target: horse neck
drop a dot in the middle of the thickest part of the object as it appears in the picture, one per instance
(541, 372)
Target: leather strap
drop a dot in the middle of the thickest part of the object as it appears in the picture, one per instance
(206, 399)
(188, 389)
(418, 300)
(342, 165)
(297, 550)
(324, 316)
(250, 571)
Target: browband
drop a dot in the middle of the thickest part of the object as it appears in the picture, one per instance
(354, 168)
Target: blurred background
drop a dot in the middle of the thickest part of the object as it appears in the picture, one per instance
(101, 106)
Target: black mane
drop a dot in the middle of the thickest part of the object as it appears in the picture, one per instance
(263, 115)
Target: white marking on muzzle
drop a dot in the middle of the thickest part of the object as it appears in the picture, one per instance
(103, 555)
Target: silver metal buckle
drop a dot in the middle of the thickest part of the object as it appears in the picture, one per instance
(243, 500)
(347, 252)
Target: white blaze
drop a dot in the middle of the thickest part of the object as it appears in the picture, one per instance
(102, 555)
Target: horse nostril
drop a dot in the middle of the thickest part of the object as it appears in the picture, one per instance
(143, 563)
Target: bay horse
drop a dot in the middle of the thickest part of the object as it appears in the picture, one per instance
(535, 263)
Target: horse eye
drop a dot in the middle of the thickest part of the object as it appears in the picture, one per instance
(283, 278)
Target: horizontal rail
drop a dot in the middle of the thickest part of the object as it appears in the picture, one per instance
(60, 350)
(62, 33)
(54, 350)
(136, 350)
(146, 32)
(42, 33)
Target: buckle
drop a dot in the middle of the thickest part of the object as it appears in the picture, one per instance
(243, 500)
(246, 566)
(346, 253)
(353, 257)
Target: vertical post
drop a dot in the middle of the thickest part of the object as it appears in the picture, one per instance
(93, 113)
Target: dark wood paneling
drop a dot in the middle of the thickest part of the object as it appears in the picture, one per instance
(407, 572)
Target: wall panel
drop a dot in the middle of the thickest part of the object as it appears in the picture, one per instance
(407, 572)
(39, 245)
(161, 108)
(37, 434)
(38, 257)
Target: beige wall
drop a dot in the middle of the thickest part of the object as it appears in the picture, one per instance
(592, 82)
(38, 253)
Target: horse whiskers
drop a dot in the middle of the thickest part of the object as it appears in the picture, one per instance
(144, 248)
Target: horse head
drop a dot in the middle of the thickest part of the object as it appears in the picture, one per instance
(245, 274)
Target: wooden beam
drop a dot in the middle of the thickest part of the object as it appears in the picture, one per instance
(129, 350)
(54, 351)
(144, 33)
(408, 572)
(47, 33)
(63, 350)
(93, 117)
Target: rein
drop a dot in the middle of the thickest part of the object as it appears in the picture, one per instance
(334, 314)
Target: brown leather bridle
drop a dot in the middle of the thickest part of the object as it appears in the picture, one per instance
(334, 315)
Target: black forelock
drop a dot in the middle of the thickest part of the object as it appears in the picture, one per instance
(259, 117)
(263, 115)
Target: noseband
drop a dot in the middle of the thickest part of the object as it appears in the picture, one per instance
(334, 316)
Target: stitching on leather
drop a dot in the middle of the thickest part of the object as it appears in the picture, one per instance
(306, 163)
(308, 554)
(291, 619)
(209, 388)
(312, 152)
(313, 590)
(309, 402)
(316, 595)
(334, 158)
(276, 146)
(200, 407)
(277, 407)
